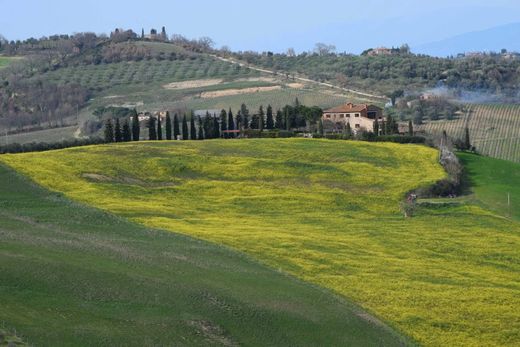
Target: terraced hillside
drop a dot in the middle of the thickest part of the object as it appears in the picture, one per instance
(325, 211)
(494, 129)
(76, 276)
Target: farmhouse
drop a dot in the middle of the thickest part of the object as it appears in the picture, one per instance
(358, 116)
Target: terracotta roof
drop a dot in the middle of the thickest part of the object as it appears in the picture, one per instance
(347, 108)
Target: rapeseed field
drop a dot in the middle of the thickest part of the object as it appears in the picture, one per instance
(324, 211)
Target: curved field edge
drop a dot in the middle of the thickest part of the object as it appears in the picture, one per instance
(325, 211)
(75, 275)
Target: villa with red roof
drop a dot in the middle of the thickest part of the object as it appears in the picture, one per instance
(359, 117)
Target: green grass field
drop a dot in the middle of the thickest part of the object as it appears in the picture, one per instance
(5, 61)
(491, 182)
(76, 276)
(324, 211)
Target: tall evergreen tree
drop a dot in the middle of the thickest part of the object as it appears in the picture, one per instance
(320, 127)
(467, 141)
(231, 122)
(269, 121)
(159, 128)
(193, 129)
(245, 116)
(168, 126)
(185, 135)
(118, 135)
(223, 121)
(287, 119)
(383, 128)
(176, 129)
(142, 33)
(376, 127)
(261, 120)
(109, 131)
(152, 130)
(136, 127)
(208, 126)
(239, 121)
(216, 128)
(127, 133)
(201, 129)
(410, 128)
(279, 124)
(348, 130)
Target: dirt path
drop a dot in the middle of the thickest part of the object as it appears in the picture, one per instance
(302, 79)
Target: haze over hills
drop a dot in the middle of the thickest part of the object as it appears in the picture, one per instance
(490, 40)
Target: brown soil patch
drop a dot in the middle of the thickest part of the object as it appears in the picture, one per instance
(193, 84)
(230, 92)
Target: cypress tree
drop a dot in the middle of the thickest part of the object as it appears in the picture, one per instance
(127, 134)
(216, 128)
(185, 135)
(152, 130)
(239, 121)
(410, 127)
(279, 120)
(231, 123)
(269, 122)
(109, 131)
(176, 129)
(348, 130)
(287, 119)
(383, 127)
(193, 130)
(118, 135)
(223, 121)
(136, 128)
(208, 126)
(261, 115)
(168, 126)
(159, 128)
(244, 112)
(320, 128)
(467, 141)
(201, 130)
(376, 127)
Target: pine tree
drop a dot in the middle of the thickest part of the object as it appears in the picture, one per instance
(176, 129)
(467, 141)
(193, 130)
(269, 121)
(279, 120)
(127, 134)
(185, 135)
(223, 121)
(136, 127)
(109, 131)
(201, 129)
(376, 127)
(320, 128)
(231, 123)
(410, 128)
(118, 136)
(159, 128)
(168, 126)
(152, 130)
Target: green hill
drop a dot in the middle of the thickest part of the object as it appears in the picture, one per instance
(74, 275)
(492, 180)
(324, 211)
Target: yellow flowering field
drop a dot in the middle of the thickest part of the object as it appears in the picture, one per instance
(324, 211)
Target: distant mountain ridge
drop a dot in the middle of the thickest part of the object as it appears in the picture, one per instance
(493, 39)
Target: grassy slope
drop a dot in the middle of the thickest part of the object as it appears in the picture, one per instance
(491, 181)
(4, 61)
(322, 210)
(73, 275)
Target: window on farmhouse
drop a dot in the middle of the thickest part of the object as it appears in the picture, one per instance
(357, 126)
(357, 114)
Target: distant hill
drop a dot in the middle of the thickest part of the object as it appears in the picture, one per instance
(493, 39)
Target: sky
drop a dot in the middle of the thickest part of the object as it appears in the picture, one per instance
(267, 24)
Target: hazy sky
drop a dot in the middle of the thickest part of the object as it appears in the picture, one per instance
(264, 24)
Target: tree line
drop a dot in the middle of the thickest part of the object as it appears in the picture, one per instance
(211, 126)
